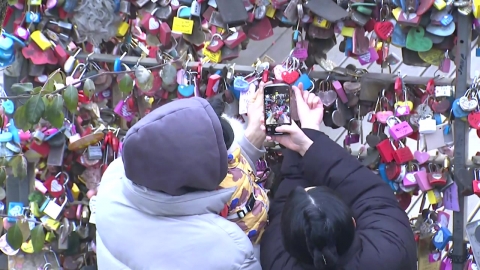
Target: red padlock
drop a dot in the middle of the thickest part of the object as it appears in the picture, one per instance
(212, 85)
(131, 104)
(55, 184)
(235, 39)
(165, 35)
(150, 23)
(60, 53)
(385, 149)
(402, 154)
(398, 86)
(393, 170)
(216, 43)
(436, 177)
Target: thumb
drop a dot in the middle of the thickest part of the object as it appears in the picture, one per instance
(287, 128)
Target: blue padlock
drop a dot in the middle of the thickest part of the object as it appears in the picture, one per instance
(15, 39)
(186, 90)
(12, 129)
(6, 48)
(477, 52)
(8, 106)
(240, 84)
(457, 110)
(15, 209)
(438, 118)
(382, 171)
(69, 194)
(116, 5)
(33, 17)
(117, 64)
(287, 21)
(348, 45)
(296, 33)
(5, 137)
(305, 80)
(441, 238)
(70, 5)
(446, 20)
(184, 12)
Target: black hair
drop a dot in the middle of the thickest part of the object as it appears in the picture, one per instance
(218, 106)
(317, 227)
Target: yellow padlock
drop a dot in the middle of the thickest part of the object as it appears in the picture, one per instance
(50, 223)
(347, 31)
(122, 29)
(434, 196)
(27, 247)
(379, 45)
(396, 13)
(75, 191)
(318, 22)
(49, 236)
(439, 4)
(41, 40)
(270, 12)
(215, 57)
(476, 8)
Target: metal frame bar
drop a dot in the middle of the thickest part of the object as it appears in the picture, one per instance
(462, 62)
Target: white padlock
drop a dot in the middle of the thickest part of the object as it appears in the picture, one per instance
(443, 91)
(427, 125)
(195, 9)
(142, 74)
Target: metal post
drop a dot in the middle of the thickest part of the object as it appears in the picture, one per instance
(462, 59)
(17, 190)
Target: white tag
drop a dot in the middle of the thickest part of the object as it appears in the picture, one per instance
(435, 140)
(93, 209)
(212, 3)
(245, 99)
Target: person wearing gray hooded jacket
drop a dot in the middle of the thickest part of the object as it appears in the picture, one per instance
(158, 205)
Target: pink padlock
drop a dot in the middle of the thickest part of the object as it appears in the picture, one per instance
(277, 71)
(40, 187)
(122, 110)
(398, 129)
(24, 136)
(340, 92)
(50, 131)
(422, 180)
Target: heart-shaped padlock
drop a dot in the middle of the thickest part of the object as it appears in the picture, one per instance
(240, 84)
(468, 104)
(290, 76)
(327, 97)
(277, 71)
(474, 120)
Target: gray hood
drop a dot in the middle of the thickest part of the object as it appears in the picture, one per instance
(177, 148)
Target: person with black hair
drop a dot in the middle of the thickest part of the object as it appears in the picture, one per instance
(330, 212)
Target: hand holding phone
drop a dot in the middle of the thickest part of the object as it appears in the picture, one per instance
(277, 107)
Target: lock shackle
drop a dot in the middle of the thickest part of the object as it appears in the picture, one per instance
(180, 9)
(83, 69)
(393, 119)
(413, 167)
(216, 35)
(432, 167)
(66, 177)
(153, 11)
(48, 264)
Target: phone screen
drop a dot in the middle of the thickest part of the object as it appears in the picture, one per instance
(277, 107)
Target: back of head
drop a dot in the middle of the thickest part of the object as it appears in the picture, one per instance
(317, 227)
(177, 148)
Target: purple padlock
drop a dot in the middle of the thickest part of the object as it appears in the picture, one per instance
(351, 139)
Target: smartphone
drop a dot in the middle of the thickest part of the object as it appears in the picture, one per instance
(276, 107)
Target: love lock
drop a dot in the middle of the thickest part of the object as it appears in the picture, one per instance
(240, 84)
(142, 75)
(467, 104)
